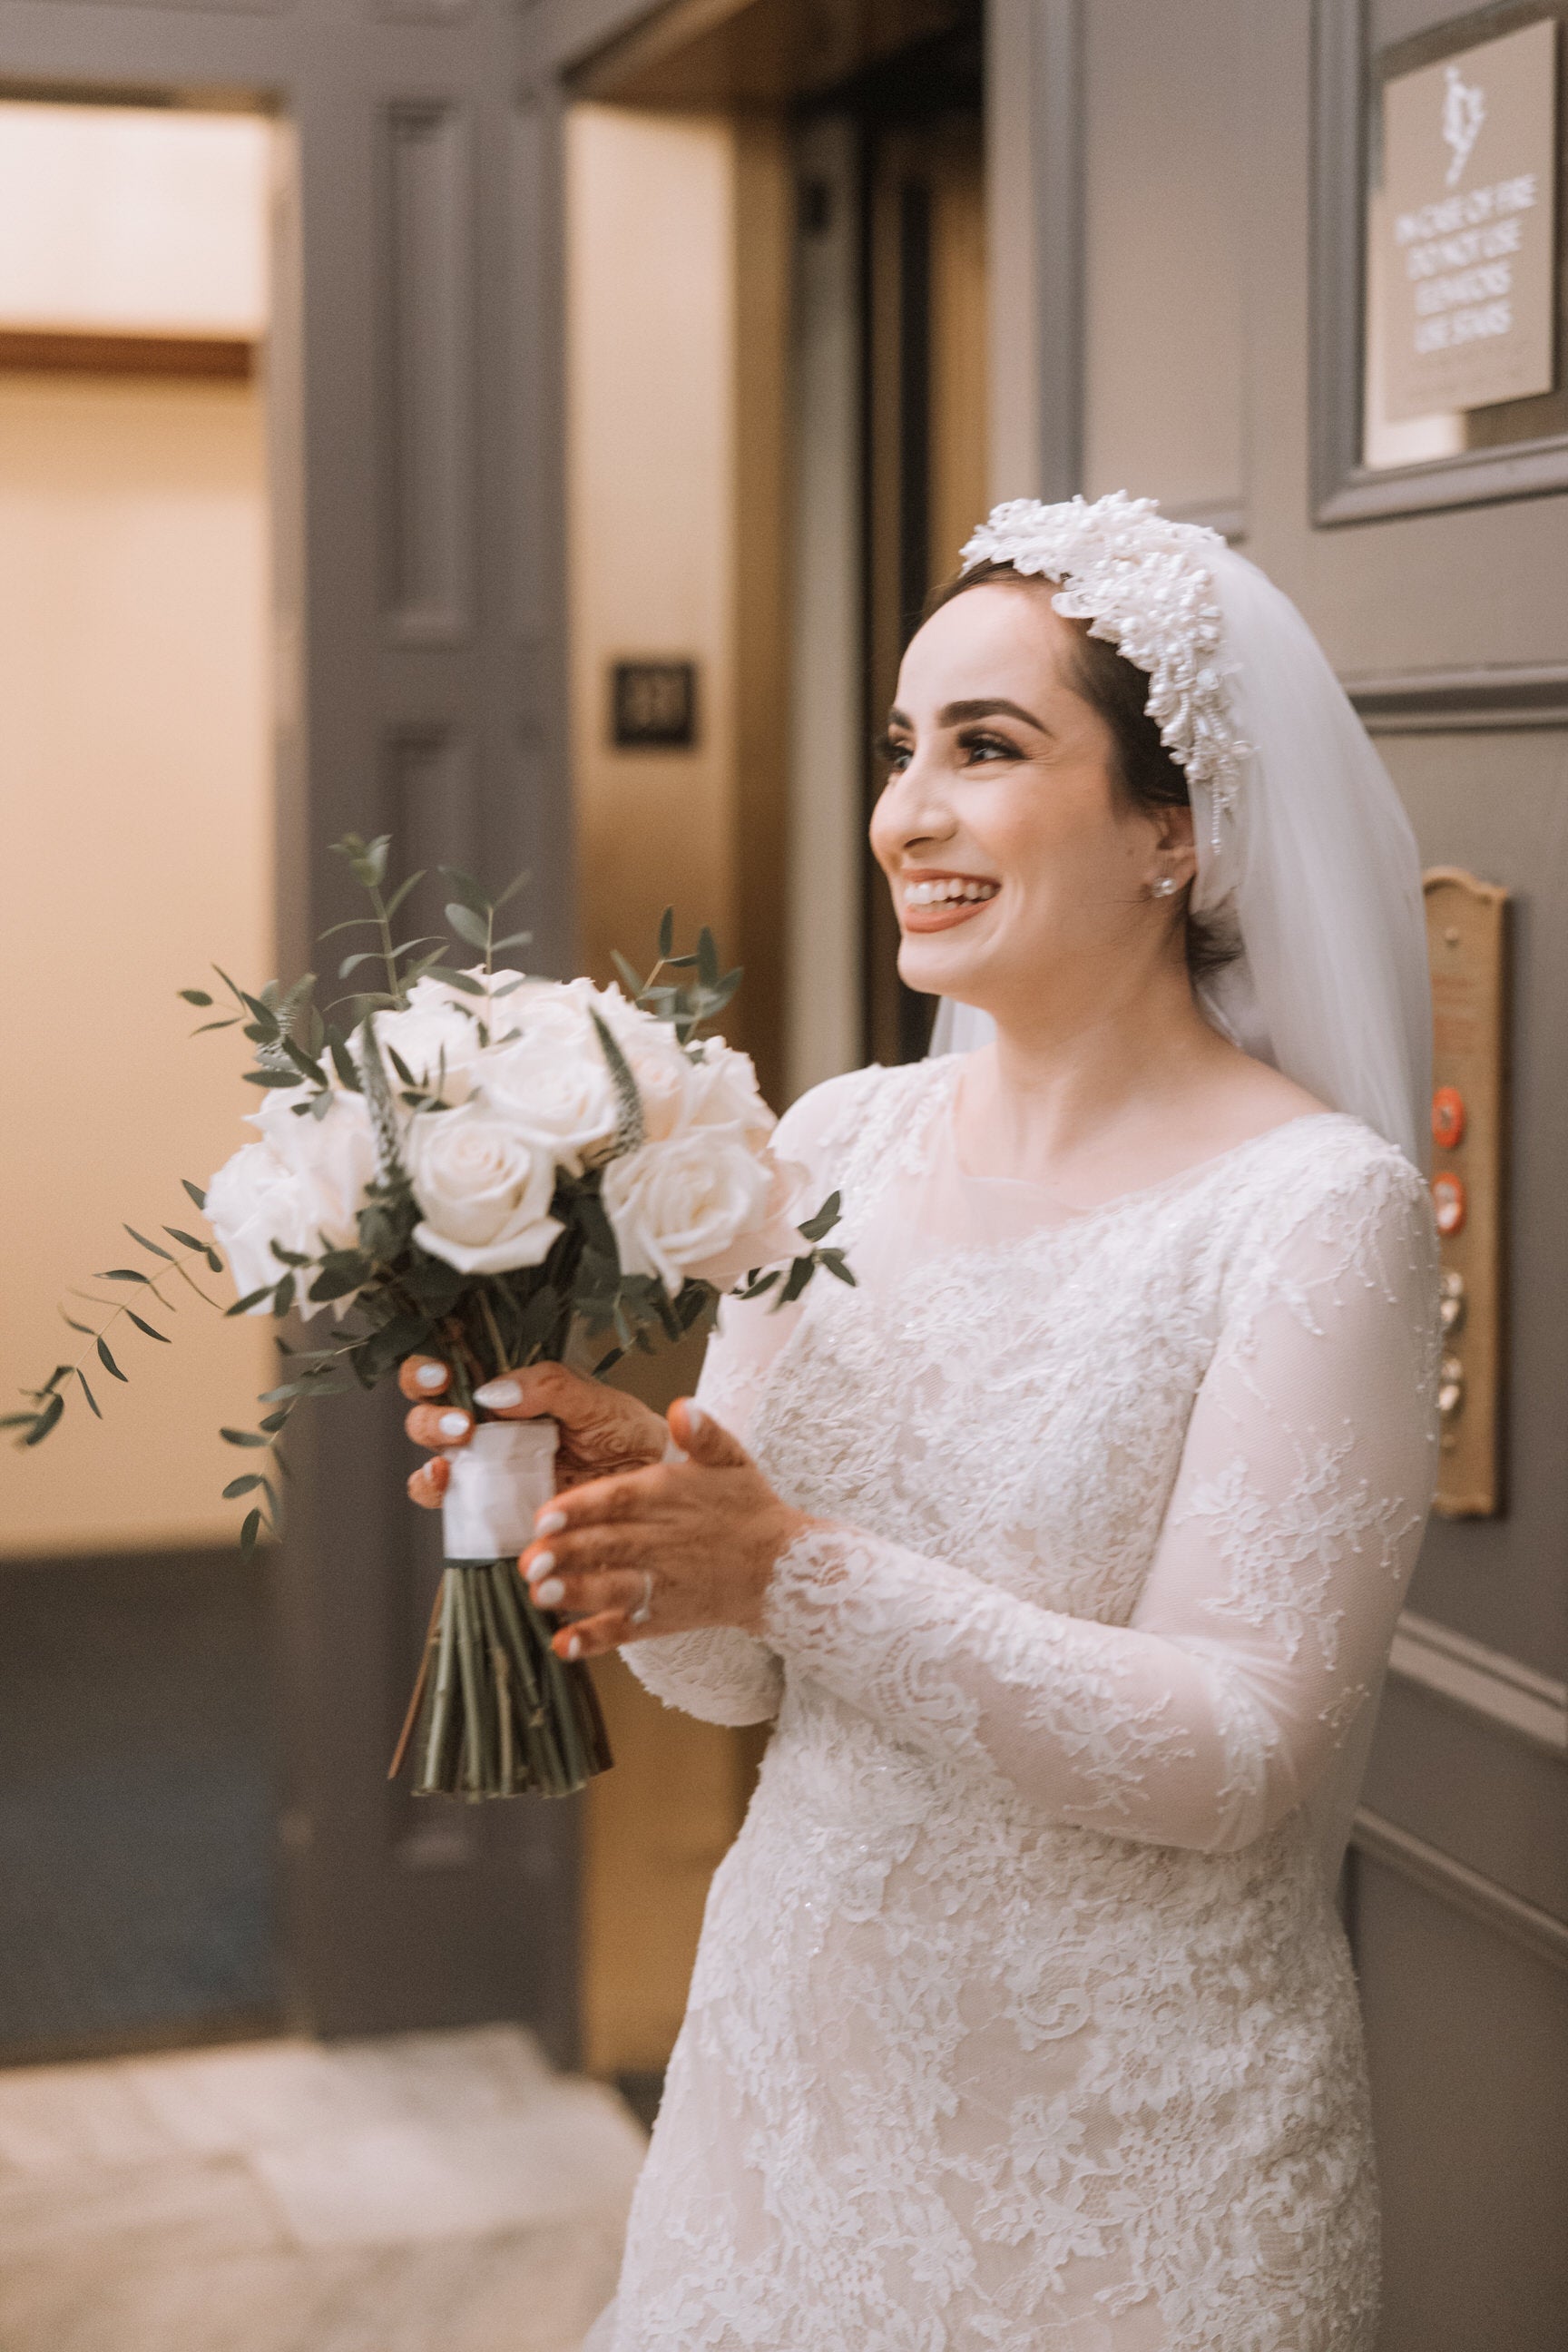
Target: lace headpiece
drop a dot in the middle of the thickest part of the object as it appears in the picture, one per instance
(1142, 583)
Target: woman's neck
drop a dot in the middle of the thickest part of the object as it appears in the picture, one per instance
(1096, 1096)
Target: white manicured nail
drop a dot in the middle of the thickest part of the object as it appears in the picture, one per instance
(542, 1567)
(549, 1523)
(551, 1593)
(453, 1424)
(431, 1376)
(496, 1395)
(695, 1417)
(574, 1647)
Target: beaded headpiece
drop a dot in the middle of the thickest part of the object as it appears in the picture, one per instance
(1142, 582)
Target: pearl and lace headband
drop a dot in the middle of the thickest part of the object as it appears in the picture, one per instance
(1141, 582)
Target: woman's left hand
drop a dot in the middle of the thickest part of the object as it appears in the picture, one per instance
(693, 1543)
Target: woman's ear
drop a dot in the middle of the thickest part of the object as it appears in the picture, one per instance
(1177, 845)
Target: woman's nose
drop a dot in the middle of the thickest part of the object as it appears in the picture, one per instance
(914, 807)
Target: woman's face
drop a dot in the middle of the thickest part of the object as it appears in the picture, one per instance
(1017, 867)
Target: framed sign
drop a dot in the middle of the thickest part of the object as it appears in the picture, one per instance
(1440, 283)
(653, 705)
(1462, 309)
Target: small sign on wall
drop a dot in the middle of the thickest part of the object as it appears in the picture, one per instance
(653, 704)
(1464, 294)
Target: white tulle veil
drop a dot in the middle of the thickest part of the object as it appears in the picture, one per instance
(1302, 844)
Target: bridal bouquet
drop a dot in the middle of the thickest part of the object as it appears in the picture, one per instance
(498, 1171)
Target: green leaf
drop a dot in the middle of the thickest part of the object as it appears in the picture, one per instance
(353, 962)
(666, 933)
(401, 891)
(252, 1299)
(195, 1191)
(107, 1360)
(473, 894)
(87, 1393)
(46, 1420)
(630, 1127)
(629, 974)
(156, 1247)
(250, 1530)
(461, 982)
(404, 1074)
(513, 940)
(343, 1062)
(283, 1296)
(205, 1026)
(123, 1274)
(706, 959)
(247, 1485)
(519, 881)
(195, 996)
(271, 1079)
(85, 1328)
(143, 1325)
(241, 1437)
(187, 1240)
(304, 1062)
(273, 1421)
(17, 1419)
(824, 1220)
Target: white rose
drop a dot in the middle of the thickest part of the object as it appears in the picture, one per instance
(302, 1186)
(680, 1204)
(436, 1038)
(723, 1092)
(252, 1201)
(484, 1186)
(332, 1159)
(557, 1087)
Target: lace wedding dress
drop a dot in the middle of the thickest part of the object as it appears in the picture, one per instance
(1023, 2018)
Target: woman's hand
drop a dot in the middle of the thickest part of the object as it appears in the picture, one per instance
(691, 1543)
(602, 1429)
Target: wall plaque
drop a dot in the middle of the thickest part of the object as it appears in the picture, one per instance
(1467, 943)
(653, 704)
(1461, 293)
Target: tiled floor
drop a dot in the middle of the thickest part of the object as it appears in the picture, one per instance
(430, 2193)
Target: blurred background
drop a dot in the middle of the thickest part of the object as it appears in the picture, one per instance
(533, 433)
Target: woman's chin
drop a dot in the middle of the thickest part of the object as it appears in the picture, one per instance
(925, 967)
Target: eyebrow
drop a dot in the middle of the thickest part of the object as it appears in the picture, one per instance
(954, 714)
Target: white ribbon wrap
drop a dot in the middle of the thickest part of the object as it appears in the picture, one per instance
(499, 1480)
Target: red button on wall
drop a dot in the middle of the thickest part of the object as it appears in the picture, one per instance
(1449, 1203)
(1447, 1118)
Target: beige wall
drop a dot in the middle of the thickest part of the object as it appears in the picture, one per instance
(135, 806)
(650, 453)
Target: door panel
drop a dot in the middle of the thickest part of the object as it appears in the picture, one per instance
(415, 480)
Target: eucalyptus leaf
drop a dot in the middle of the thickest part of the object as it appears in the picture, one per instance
(241, 1437)
(156, 1247)
(107, 1360)
(246, 1485)
(123, 1274)
(87, 1393)
(150, 1329)
(195, 1191)
(250, 1530)
(474, 928)
(46, 1420)
(195, 996)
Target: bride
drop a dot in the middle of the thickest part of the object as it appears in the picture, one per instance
(1067, 1547)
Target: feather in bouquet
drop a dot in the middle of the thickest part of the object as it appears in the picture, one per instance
(499, 1170)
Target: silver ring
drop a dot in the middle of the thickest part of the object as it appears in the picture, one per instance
(640, 1616)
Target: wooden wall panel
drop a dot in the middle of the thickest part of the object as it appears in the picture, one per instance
(427, 384)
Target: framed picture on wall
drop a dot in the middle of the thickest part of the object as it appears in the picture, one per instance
(1439, 285)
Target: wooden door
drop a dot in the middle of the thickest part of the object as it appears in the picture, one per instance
(1189, 218)
(415, 441)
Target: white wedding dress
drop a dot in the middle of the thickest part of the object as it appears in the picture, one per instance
(1023, 2018)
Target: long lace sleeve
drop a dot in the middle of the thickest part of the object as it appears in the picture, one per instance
(1269, 1609)
(720, 1674)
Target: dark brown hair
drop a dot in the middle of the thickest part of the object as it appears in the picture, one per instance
(1146, 775)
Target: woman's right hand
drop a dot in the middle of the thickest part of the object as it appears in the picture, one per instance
(602, 1429)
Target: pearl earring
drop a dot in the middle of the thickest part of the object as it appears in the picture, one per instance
(1165, 887)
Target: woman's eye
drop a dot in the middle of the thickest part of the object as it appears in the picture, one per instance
(987, 747)
(894, 755)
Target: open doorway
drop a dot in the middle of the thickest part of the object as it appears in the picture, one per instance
(777, 388)
(137, 1821)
